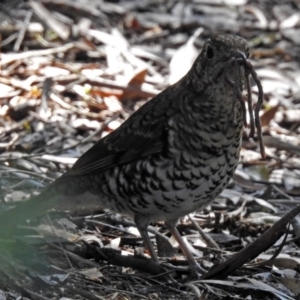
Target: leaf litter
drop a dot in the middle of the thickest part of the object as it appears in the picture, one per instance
(71, 73)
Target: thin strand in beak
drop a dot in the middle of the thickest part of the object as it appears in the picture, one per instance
(237, 94)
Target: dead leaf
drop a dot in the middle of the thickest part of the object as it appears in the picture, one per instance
(268, 115)
(135, 82)
(183, 58)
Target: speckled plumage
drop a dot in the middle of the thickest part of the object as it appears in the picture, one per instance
(175, 154)
(172, 156)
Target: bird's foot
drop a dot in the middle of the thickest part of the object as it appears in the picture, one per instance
(196, 271)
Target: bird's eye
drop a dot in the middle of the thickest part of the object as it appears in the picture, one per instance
(210, 52)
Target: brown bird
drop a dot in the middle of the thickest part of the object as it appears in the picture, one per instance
(173, 156)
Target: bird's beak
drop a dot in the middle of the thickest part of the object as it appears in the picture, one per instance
(240, 54)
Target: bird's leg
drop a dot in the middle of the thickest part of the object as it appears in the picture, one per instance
(171, 225)
(142, 223)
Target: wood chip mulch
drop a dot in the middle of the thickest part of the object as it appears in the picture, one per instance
(72, 72)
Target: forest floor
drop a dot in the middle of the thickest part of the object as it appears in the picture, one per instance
(71, 73)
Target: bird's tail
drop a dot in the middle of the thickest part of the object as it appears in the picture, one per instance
(16, 255)
(9, 220)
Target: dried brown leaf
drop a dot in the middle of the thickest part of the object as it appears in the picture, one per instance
(136, 82)
(268, 115)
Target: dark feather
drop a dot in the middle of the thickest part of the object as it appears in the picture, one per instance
(143, 134)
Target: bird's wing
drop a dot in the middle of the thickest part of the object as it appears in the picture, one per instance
(143, 134)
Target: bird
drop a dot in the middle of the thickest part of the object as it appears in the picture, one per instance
(171, 157)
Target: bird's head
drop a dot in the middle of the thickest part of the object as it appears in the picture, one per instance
(220, 57)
